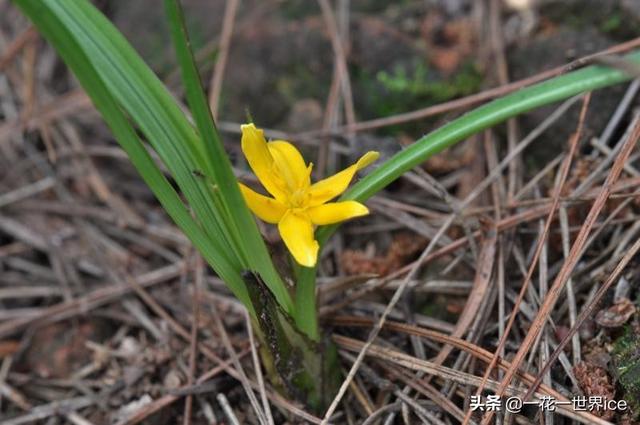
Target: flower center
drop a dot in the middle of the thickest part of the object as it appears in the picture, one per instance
(298, 198)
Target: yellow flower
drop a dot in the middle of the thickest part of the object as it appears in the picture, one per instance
(297, 205)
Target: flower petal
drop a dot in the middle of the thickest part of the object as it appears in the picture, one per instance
(297, 233)
(254, 147)
(290, 164)
(335, 212)
(267, 209)
(329, 188)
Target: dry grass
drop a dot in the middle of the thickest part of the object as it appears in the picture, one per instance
(107, 315)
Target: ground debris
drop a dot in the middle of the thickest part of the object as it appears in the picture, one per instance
(595, 381)
(403, 247)
(616, 315)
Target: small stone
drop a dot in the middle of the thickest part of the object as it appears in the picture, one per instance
(172, 380)
(129, 347)
(130, 408)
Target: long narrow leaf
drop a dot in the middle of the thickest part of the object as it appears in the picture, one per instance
(486, 116)
(142, 96)
(527, 99)
(151, 107)
(70, 50)
(238, 217)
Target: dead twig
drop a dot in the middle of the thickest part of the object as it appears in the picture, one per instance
(223, 52)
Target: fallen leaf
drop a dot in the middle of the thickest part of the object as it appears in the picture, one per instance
(616, 315)
(8, 348)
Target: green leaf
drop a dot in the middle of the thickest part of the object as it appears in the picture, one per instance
(71, 52)
(96, 51)
(482, 118)
(237, 217)
(479, 119)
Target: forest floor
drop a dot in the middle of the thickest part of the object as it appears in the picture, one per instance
(107, 315)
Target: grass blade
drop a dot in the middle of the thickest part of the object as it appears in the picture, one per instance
(238, 218)
(138, 93)
(72, 52)
(482, 118)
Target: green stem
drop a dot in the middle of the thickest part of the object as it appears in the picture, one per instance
(306, 316)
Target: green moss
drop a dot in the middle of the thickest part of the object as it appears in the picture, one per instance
(407, 87)
(612, 23)
(418, 84)
(626, 362)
